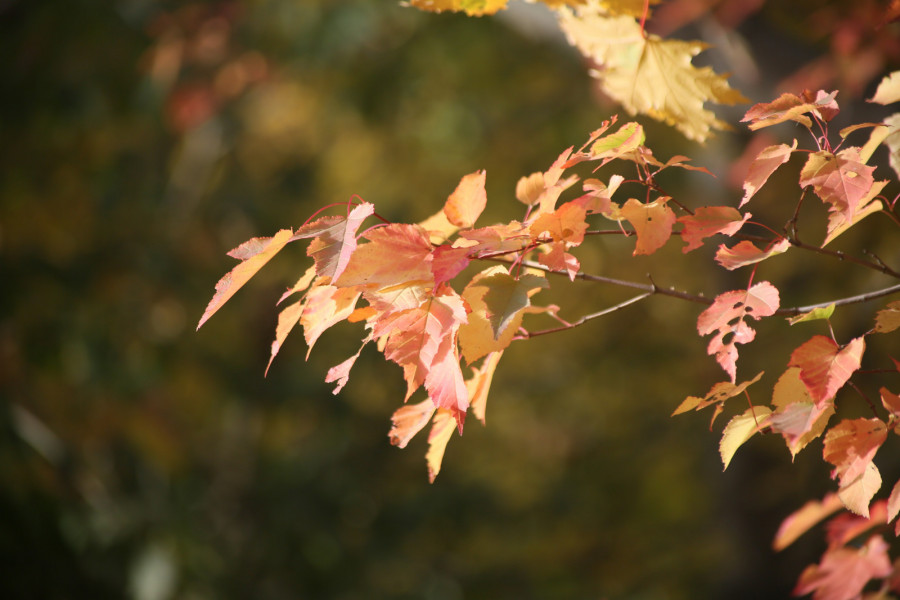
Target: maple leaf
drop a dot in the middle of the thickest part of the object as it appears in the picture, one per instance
(545, 188)
(740, 429)
(324, 306)
(332, 248)
(623, 142)
(708, 221)
(394, 253)
(652, 223)
(841, 221)
(439, 228)
(746, 253)
(797, 418)
(409, 420)
(467, 201)
(442, 427)
(647, 74)
(448, 262)
(841, 181)
(479, 384)
(287, 319)
(341, 373)
(254, 254)
(844, 572)
(416, 341)
(493, 322)
(499, 239)
(825, 367)
(762, 167)
(726, 317)
(790, 107)
(802, 519)
(444, 380)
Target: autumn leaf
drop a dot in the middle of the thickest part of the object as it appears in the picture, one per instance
(557, 259)
(444, 380)
(888, 90)
(473, 8)
(790, 107)
(845, 527)
(726, 317)
(332, 248)
(652, 223)
(802, 519)
(448, 262)
(254, 254)
(565, 224)
(716, 396)
(324, 306)
(626, 140)
(841, 221)
(893, 503)
(494, 239)
(740, 429)
(797, 418)
(494, 321)
(825, 367)
(467, 201)
(408, 420)
(858, 493)
(394, 253)
(479, 384)
(746, 253)
(287, 320)
(762, 167)
(892, 141)
(648, 74)
(820, 312)
(841, 181)
(340, 373)
(844, 572)
(708, 221)
(442, 428)
(850, 446)
(888, 318)
(891, 402)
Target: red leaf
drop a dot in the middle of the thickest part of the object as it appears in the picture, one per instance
(726, 317)
(467, 201)
(825, 367)
(708, 221)
(448, 262)
(844, 572)
(762, 167)
(254, 254)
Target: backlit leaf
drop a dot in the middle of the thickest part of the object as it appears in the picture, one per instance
(560, 260)
(324, 306)
(565, 224)
(841, 221)
(479, 384)
(888, 318)
(332, 249)
(790, 107)
(797, 418)
(822, 312)
(648, 74)
(652, 223)
(726, 318)
(254, 254)
(394, 253)
(287, 319)
(857, 494)
(740, 429)
(845, 571)
(408, 420)
(888, 90)
(762, 167)
(718, 394)
(467, 201)
(840, 180)
(825, 367)
(708, 221)
(802, 519)
(442, 428)
(473, 8)
(893, 503)
(746, 253)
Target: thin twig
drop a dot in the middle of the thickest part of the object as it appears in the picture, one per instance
(586, 318)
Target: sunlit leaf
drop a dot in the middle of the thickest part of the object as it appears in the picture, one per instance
(825, 367)
(467, 201)
(790, 107)
(408, 420)
(442, 428)
(762, 167)
(888, 318)
(845, 571)
(652, 223)
(796, 416)
(746, 253)
(802, 519)
(708, 221)
(740, 429)
(888, 90)
(821, 312)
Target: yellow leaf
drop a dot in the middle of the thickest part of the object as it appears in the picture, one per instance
(649, 75)
(888, 90)
(442, 427)
(740, 429)
(473, 8)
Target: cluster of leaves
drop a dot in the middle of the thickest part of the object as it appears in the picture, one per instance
(412, 288)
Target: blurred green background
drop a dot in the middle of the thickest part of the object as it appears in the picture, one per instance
(140, 140)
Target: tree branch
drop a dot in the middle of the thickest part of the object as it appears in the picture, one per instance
(586, 318)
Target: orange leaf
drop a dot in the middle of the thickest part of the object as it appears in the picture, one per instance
(254, 254)
(332, 248)
(851, 445)
(395, 253)
(565, 224)
(888, 318)
(560, 260)
(441, 431)
(746, 253)
(479, 384)
(825, 367)
(467, 201)
(797, 417)
(708, 221)
(726, 316)
(652, 222)
(324, 306)
(790, 107)
(287, 319)
(408, 420)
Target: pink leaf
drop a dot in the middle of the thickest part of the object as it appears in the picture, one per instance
(746, 253)
(825, 367)
(802, 519)
(408, 420)
(844, 572)
(332, 248)
(708, 221)
(395, 253)
(762, 167)
(726, 316)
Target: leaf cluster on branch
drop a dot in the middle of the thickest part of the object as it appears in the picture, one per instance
(411, 287)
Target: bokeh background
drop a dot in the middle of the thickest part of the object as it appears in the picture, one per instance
(142, 139)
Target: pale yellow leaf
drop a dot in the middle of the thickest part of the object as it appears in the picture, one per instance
(857, 494)
(888, 90)
(649, 75)
(740, 429)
